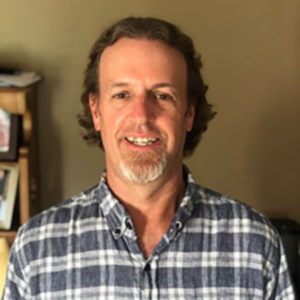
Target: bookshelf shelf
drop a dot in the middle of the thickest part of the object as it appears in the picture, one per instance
(21, 101)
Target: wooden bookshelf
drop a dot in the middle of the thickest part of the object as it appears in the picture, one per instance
(21, 101)
(9, 235)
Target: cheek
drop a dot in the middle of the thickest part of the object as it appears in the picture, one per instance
(174, 127)
(113, 124)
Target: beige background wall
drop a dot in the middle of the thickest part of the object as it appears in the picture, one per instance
(251, 54)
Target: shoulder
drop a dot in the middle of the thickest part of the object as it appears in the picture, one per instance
(236, 222)
(216, 207)
(244, 237)
(220, 213)
(56, 220)
(226, 208)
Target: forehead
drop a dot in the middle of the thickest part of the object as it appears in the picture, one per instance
(142, 58)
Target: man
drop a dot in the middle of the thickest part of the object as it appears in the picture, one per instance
(147, 231)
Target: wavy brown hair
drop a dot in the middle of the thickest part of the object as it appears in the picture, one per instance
(151, 29)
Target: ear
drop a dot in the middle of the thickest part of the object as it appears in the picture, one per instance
(94, 107)
(190, 116)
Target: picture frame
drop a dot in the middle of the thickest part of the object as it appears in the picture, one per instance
(9, 177)
(9, 135)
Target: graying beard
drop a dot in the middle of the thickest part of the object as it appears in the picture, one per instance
(145, 174)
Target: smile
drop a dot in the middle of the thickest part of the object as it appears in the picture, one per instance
(138, 141)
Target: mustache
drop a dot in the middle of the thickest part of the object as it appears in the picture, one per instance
(150, 129)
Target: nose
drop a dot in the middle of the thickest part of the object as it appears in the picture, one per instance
(143, 110)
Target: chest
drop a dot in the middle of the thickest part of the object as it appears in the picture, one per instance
(187, 267)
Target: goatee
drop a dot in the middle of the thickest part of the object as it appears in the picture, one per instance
(143, 168)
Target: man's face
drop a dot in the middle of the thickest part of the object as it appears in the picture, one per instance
(142, 110)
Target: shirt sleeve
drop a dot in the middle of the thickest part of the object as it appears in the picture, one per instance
(16, 287)
(281, 287)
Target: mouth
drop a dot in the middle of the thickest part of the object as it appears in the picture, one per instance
(141, 141)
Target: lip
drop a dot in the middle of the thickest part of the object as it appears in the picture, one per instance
(132, 146)
(142, 135)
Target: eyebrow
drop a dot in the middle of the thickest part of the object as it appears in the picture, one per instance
(118, 84)
(155, 86)
(164, 84)
(158, 85)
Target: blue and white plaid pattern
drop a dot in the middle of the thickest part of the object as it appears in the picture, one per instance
(86, 248)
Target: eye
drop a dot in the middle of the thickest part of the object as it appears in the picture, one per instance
(163, 96)
(121, 95)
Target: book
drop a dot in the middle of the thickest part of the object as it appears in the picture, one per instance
(9, 175)
(20, 79)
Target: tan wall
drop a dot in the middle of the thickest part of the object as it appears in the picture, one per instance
(251, 54)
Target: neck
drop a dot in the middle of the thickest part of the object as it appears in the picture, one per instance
(152, 206)
(165, 191)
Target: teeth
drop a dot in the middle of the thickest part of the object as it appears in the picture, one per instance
(141, 141)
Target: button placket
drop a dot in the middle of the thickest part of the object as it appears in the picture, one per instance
(119, 231)
(178, 225)
(172, 232)
(128, 224)
(154, 277)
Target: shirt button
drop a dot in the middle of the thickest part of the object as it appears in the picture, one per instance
(178, 225)
(129, 225)
(118, 231)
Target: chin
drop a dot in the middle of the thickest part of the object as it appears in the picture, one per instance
(143, 171)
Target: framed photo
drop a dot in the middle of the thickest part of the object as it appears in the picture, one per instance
(9, 131)
(9, 177)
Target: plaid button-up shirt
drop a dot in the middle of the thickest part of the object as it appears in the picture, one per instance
(86, 248)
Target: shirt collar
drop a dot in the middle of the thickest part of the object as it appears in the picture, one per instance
(118, 217)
